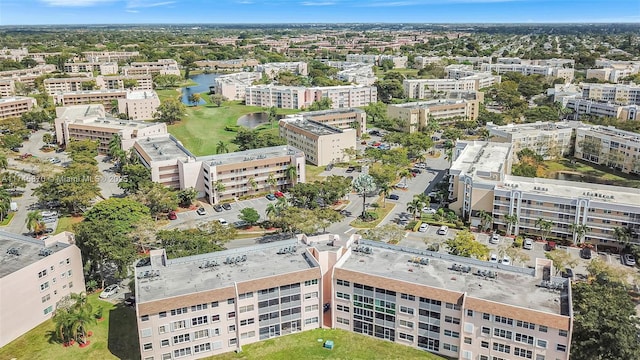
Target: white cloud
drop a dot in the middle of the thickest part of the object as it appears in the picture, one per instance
(75, 3)
(322, 3)
(132, 4)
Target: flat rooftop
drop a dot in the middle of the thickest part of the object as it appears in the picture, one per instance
(13, 98)
(183, 276)
(537, 126)
(141, 95)
(481, 157)
(313, 127)
(29, 249)
(96, 92)
(518, 287)
(429, 103)
(163, 147)
(612, 131)
(249, 155)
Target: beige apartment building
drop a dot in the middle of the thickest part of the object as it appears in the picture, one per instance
(27, 76)
(415, 115)
(105, 97)
(233, 64)
(61, 85)
(612, 93)
(139, 104)
(104, 68)
(545, 70)
(7, 88)
(222, 177)
(109, 56)
(547, 139)
(350, 118)
(355, 285)
(34, 276)
(117, 82)
(346, 96)
(16, 106)
(273, 69)
(285, 97)
(92, 122)
(233, 86)
(322, 144)
(608, 146)
(482, 79)
(480, 180)
(162, 67)
(603, 109)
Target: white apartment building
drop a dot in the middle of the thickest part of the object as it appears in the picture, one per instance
(348, 118)
(233, 86)
(61, 85)
(34, 276)
(322, 144)
(429, 88)
(414, 116)
(399, 62)
(27, 76)
(296, 97)
(104, 68)
(16, 106)
(612, 93)
(269, 290)
(54, 86)
(482, 79)
(273, 69)
(356, 73)
(474, 60)
(562, 93)
(7, 88)
(139, 104)
(603, 109)
(346, 96)
(547, 139)
(233, 64)
(558, 72)
(613, 71)
(606, 145)
(162, 67)
(92, 122)
(420, 62)
(117, 82)
(109, 56)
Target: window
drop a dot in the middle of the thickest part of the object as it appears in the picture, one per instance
(201, 334)
(162, 329)
(44, 286)
(342, 308)
(484, 344)
(313, 320)
(181, 338)
(215, 318)
(343, 321)
(166, 356)
(42, 273)
(232, 328)
(231, 301)
(147, 346)
(453, 334)
(162, 314)
(200, 320)
(502, 333)
(214, 304)
(179, 311)
(312, 295)
(46, 298)
(469, 312)
(560, 347)
(311, 282)
(485, 330)
(528, 354)
(502, 348)
(486, 316)
(539, 357)
(144, 318)
(48, 310)
(526, 325)
(524, 338)
(407, 297)
(247, 335)
(405, 323)
(503, 320)
(244, 309)
(542, 328)
(215, 332)
(451, 320)
(182, 352)
(467, 340)
(450, 347)
(562, 333)
(202, 348)
(406, 337)
(407, 310)
(343, 282)
(164, 343)
(339, 295)
(199, 307)
(542, 343)
(247, 321)
(313, 307)
(452, 306)
(231, 315)
(178, 325)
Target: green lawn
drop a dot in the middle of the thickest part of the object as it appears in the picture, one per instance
(7, 219)
(116, 337)
(204, 126)
(383, 209)
(313, 173)
(347, 345)
(66, 223)
(551, 168)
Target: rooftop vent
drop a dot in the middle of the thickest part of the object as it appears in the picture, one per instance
(45, 252)
(14, 251)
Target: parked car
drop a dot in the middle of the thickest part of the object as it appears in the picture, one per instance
(227, 206)
(278, 194)
(567, 273)
(130, 301)
(240, 224)
(420, 165)
(109, 291)
(49, 220)
(271, 197)
(48, 230)
(495, 238)
(423, 227)
(506, 260)
(401, 185)
(144, 262)
(551, 245)
(628, 260)
(223, 222)
(585, 253)
(428, 210)
(528, 244)
(49, 213)
(350, 169)
(201, 211)
(443, 230)
(54, 161)
(416, 171)
(493, 258)
(394, 197)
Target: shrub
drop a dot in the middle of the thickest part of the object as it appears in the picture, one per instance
(416, 226)
(518, 242)
(371, 216)
(375, 205)
(411, 225)
(231, 128)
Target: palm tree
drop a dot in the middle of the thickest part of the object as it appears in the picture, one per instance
(221, 147)
(4, 163)
(579, 231)
(384, 190)
(622, 234)
(292, 174)
(424, 199)
(511, 220)
(545, 227)
(115, 144)
(272, 181)
(218, 187)
(61, 319)
(485, 220)
(274, 210)
(34, 222)
(414, 207)
(253, 183)
(364, 184)
(448, 151)
(194, 99)
(5, 204)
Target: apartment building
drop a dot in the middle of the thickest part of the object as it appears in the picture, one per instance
(346, 96)
(606, 145)
(16, 106)
(613, 71)
(118, 82)
(420, 62)
(139, 104)
(34, 276)
(474, 60)
(562, 93)
(399, 62)
(233, 86)
(480, 180)
(429, 88)
(285, 97)
(13, 54)
(27, 76)
(162, 67)
(273, 69)
(92, 122)
(547, 139)
(233, 64)
(322, 144)
(221, 177)
(54, 86)
(557, 72)
(357, 73)
(350, 118)
(104, 68)
(109, 56)
(482, 79)
(7, 88)
(612, 93)
(269, 290)
(603, 109)
(414, 116)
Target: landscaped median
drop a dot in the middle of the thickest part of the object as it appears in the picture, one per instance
(379, 212)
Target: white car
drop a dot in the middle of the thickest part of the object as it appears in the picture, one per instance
(495, 238)
(528, 244)
(420, 166)
(109, 291)
(443, 230)
(493, 259)
(223, 222)
(423, 227)
(506, 260)
(46, 214)
(428, 210)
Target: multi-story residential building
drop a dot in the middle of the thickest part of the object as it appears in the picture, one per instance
(233, 64)
(7, 88)
(322, 144)
(296, 97)
(482, 79)
(13, 54)
(355, 285)
(222, 177)
(34, 276)
(613, 71)
(420, 62)
(92, 122)
(558, 72)
(346, 96)
(233, 86)
(480, 180)
(27, 76)
(603, 109)
(355, 73)
(474, 60)
(109, 56)
(458, 71)
(350, 118)
(609, 146)
(104, 68)
(562, 93)
(16, 106)
(399, 62)
(162, 67)
(414, 116)
(547, 139)
(273, 69)
(613, 93)
(139, 104)
(119, 82)
(429, 88)
(61, 85)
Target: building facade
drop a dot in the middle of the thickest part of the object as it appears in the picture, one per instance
(34, 276)
(16, 106)
(297, 97)
(322, 144)
(109, 56)
(547, 139)
(233, 86)
(602, 109)
(104, 68)
(139, 104)
(161, 67)
(415, 115)
(566, 73)
(612, 93)
(350, 118)
(273, 69)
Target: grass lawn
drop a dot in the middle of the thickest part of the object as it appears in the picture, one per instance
(313, 173)
(203, 127)
(409, 73)
(7, 220)
(549, 169)
(66, 223)
(116, 337)
(347, 345)
(382, 210)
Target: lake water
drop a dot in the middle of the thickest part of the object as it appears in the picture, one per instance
(253, 120)
(204, 81)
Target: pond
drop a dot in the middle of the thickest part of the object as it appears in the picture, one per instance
(204, 81)
(253, 120)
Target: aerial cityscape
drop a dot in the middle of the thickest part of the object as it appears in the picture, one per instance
(252, 179)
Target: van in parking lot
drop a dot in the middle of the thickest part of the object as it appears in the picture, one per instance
(443, 230)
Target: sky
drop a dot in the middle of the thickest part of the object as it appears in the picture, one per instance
(44, 12)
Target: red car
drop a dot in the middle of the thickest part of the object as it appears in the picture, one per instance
(278, 194)
(172, 215)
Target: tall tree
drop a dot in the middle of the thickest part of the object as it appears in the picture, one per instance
(187, 196)
(544, 226)
(465, 244)
(34, 222)
(134, 176)
(222, 147)
(579, 231)
(249, 215)
(195, 99)
(157, 197)
(170, 111)
(218, 99)
(364, 184)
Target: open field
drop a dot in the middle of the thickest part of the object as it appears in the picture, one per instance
(115, 337)
(305, 345)
(204, 126)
